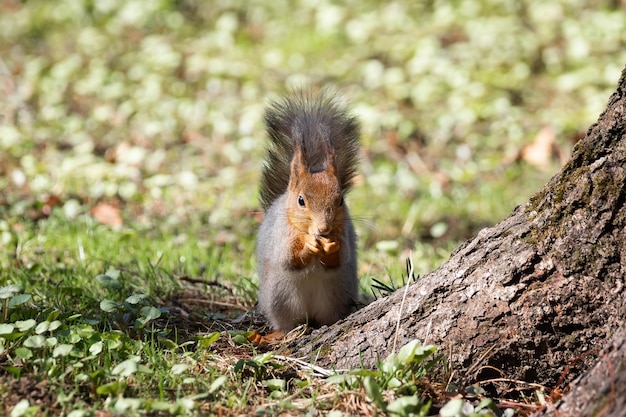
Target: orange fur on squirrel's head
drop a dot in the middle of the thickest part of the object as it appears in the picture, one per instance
(314, 197)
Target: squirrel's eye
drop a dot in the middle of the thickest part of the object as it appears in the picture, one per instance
(300, 201)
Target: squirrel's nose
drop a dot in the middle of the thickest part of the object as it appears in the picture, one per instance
(323, 230)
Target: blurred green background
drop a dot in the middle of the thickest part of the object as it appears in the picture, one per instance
(151, 112)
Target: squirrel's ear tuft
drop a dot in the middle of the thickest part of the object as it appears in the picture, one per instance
(298, 166)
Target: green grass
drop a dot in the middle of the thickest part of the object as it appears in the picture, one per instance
(153, 110)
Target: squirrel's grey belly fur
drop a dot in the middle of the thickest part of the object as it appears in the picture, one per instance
(313, 294)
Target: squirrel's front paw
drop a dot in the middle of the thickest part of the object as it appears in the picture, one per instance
(313, 245)
(329, 245)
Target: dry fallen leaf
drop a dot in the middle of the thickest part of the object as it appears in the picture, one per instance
(542, 150)
(107, 214)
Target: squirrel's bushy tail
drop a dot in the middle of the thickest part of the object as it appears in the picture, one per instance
(321, 127)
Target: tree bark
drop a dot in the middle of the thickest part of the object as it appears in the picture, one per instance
(523, 299)
(599, 392)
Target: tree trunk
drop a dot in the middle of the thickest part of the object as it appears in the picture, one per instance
(599, 392)
(523, 299)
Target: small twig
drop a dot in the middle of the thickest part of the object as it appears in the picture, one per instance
(515, 404)
(572, 363)
(212, 283)
(212, 302)
(317, 370)
(406, 290)
(478, 362)
(427, 332)
(514, 381)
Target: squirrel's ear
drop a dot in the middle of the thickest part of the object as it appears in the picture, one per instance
(298, 164)
(331, 162)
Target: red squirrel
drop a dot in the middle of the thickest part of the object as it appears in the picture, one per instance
(306, 246)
